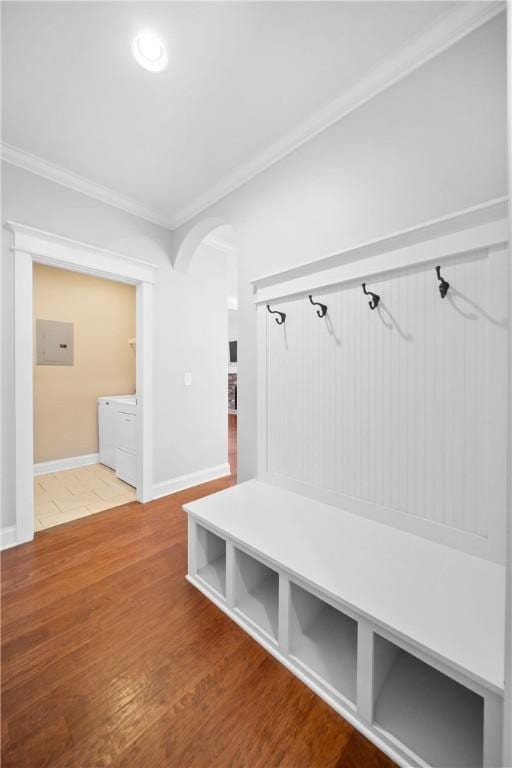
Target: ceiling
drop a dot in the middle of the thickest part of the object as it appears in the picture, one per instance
(244, 84)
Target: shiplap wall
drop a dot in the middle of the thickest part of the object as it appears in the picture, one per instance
(402, 408)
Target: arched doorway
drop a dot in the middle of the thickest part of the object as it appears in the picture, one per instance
(209, 239)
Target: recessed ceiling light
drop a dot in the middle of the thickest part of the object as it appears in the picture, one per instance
(149, 52)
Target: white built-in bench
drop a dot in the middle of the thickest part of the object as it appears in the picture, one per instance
(404, 637)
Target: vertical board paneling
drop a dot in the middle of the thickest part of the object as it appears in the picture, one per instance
(398, 407)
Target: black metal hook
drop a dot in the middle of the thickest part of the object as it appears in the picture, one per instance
(323, 307)
(282, 316)
(443, 285)
(374, 303)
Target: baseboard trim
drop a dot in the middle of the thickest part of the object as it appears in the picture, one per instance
(8, 537)
(188, 481)
(45, 467)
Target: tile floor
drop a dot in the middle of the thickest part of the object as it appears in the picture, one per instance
(72, 493)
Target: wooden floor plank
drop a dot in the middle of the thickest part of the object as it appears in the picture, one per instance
(110, 658)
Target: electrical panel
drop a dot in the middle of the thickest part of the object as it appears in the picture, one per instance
(54, 342)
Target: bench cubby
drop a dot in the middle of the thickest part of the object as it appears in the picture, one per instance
(437, 718)
(211, 559)
(324, 641)
(257, 593)
(324, 592)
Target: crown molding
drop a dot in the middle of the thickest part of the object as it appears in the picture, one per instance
(445, 32)
(29, 162)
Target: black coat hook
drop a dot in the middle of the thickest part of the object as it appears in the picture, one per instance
(374, 303)
(443, 285)
(323, 307)
(282, 316)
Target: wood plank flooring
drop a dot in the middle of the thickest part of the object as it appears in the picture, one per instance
(110, 658)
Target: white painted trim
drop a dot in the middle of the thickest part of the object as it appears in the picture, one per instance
(261, 370)
(8, 537)
(23, 397)
(471, 242)
(443, 33)
(32, 245)
(144, 386)
(490, 212)
(507, 709)
(55, 250)
(219, 244)
(59, 175)
(46, 467)
(175, 484)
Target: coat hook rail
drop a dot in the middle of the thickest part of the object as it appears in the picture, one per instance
(282, 315)
(374, 302)
(443, 285)
(323, 307)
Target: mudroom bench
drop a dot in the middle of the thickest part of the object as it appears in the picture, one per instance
(404, 637)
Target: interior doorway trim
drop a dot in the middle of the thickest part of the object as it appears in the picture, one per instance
(32, 245)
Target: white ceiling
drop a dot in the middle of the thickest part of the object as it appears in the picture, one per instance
(242, 76)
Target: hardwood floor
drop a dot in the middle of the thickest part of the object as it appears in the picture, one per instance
(110, 658)
(232, 424)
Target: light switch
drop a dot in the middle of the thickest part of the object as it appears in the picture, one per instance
(54, 342)
(188, 379)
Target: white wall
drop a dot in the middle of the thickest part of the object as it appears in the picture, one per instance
(232, 324)
(232, 272)
(432, 144)
(192, 336)
(189, 434)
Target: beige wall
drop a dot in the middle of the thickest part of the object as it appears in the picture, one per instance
(103, 313)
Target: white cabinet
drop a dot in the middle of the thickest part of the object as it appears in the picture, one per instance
(126, 445)
(126, 466)
(126, 424)
(117, 427)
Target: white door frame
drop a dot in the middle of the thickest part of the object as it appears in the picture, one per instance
(32, 245)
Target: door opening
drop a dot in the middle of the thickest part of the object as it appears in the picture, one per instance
(85, 405)
(32, 246)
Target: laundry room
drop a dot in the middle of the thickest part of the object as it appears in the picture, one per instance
(85, 408)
